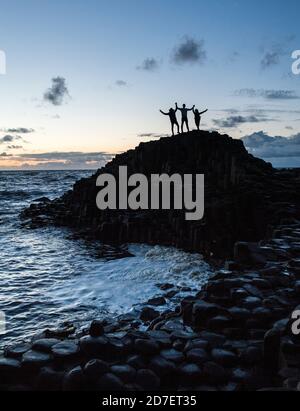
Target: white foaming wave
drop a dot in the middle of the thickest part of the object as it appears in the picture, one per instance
(116, 286)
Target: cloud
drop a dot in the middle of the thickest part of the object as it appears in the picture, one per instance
(283, 151)
(19, 130)
(55, 160)
(234, 56)
(234, 121)
(72, 155)
(270, 58)
(273, 54)
(267, 94)
(8, 138)
(63, 160)
(149, 64)
(14, 147)
(189, 51)
(121, 83)
(58, 91)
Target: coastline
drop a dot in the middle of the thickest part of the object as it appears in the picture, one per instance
(234, 335)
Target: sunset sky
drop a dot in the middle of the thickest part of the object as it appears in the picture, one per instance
(86, 78)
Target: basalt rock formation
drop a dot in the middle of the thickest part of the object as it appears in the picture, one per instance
(244, 196)
(236, 334)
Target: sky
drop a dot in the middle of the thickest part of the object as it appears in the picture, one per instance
(85, 79)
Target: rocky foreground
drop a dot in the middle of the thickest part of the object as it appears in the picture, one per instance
(234, 335)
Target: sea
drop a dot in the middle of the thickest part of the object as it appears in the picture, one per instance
(47, 277)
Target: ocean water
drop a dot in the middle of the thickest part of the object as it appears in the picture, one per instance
(47, 277)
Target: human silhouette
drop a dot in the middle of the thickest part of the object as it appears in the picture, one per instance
(173, 118)
(198, 117)
(184, 116)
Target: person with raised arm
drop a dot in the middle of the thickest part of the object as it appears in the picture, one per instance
(198, 115)
(173, 119)
(184, 116)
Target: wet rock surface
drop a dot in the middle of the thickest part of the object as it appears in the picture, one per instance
(236, 336)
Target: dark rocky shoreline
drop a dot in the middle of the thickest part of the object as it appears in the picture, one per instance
(235, 334)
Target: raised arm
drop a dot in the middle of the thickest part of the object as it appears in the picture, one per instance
(191, 109)
(203, 112)
(162, 112)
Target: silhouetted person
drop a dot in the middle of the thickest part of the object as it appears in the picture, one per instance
(184, 116)
(198, 117)
(173, 118)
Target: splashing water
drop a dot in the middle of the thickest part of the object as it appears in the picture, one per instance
(47, 278)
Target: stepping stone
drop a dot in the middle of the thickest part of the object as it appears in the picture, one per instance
(173, 325)
(251, 302)
(241, 376)
(97, 328)
(203, 311)
(223, 357)
(161, 366)
(214, 372)
(149, 314)
(192, 372)
(181, 334)
(172, 355)
(50, 379)
(215, 340)
(109, 382)
(197, 343)
(95, 368)
(251, 355)
(239, 313)
(18, 350)
(161, 337)
(253, 291)
(94, 347)
(65, 349)
(35, 359)
(125, 372)
(45, 344)
(74, 380)
(146, 347)
(136, 361)
(9, 367)
(148, 380)
(115, 349)
(219, 323)
(197, 356)
(157, 301)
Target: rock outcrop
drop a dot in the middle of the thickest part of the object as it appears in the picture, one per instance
(234, 335)
(243, 197)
